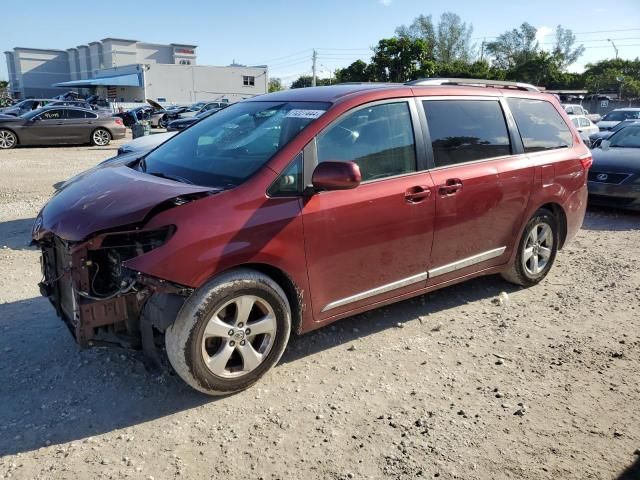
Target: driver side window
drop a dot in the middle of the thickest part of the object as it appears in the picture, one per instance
(379, 139)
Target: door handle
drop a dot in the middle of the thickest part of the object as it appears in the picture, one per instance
(417, 194)
(451, 187)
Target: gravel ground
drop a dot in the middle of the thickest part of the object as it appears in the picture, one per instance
(465, 382)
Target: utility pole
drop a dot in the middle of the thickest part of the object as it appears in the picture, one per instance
(614, 47)
(482, 49)
(314, 57)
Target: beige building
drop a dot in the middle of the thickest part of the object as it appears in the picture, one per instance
(128, 71)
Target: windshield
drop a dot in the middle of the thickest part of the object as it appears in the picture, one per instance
(618, 116)
(225, 149)
(627, 138)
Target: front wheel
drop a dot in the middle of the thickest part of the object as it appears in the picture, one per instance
(163, 122)
(100, 137)
(8, 139)
(536, 251)
(230, 332)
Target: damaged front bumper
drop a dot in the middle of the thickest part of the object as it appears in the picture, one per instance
(98, 298)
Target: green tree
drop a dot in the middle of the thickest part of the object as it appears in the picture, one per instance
(446, 42)
(399, 59)
(358, 71)
(563, 47)
(514, 47)
(275, 85)
(615, 75)
(305, 81)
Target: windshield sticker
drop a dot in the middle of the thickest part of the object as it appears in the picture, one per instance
(300, 113)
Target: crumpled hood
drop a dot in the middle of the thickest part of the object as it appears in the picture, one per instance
(105, 198)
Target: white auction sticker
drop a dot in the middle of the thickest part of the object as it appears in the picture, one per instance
(300, 113)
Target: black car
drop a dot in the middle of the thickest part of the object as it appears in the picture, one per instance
(614, 178)
(183, 123)
(602, 135)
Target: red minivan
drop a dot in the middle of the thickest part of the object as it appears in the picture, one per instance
(292, 210)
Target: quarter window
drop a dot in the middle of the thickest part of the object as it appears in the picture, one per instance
(541, 126)
(378, 138)
(248, 81)
(466, 130)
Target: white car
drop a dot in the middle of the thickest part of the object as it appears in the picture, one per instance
(585, 127)
(575, 109)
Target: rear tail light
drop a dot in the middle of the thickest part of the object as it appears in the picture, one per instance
(586, 161)
(118, 121)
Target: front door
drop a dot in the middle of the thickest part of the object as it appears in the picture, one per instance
(482, 188)
(371, 243)
(47, 128)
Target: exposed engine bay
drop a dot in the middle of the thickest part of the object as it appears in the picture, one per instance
(101, 300)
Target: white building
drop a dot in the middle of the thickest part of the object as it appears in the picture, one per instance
(129, 70)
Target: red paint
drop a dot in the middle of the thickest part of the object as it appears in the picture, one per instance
(338, 243)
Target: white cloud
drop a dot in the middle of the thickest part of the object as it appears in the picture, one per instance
(542, 33)
(385, 3)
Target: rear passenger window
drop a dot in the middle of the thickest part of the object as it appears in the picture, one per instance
(466, 130)
(378, 138)
(541, 126)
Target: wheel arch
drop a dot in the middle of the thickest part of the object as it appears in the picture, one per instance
(559, 213)
(292, 291)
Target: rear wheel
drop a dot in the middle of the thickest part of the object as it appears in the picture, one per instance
(8, 139)
(230, 332)
(100, 137)
(536, 251)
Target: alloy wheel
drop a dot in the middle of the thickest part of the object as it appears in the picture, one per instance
(239, 336)
(101, 137)
(538, 248)
(7, 139)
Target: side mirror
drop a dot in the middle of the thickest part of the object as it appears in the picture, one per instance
(332, 175)
(604, 144)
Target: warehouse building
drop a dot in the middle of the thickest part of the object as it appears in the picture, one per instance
(128, 71)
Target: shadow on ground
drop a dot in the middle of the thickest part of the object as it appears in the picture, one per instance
(53, 393)
(611, 219)
(632, 472)
(16, 234)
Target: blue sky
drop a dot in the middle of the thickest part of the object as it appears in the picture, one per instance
(282, 33)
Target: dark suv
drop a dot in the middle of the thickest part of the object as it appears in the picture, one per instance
(295, 209)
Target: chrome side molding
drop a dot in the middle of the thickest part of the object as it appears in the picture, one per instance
(377, 291)
(434, 272)
(466, 262)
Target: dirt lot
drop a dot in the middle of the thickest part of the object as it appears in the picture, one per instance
(448, 385)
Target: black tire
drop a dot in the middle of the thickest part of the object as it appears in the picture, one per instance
(100, 137)
(522, 272)
(8, 139)
(186, 342)
(163, 122)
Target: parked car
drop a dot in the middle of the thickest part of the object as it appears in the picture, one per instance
(59, 125)
(614, 117)
(182, 123)
(614, 180)
(575, 109)
(145, 143)
(584, 126)
(598, 136)
(201, 107)
(291, 210)
(25, 106)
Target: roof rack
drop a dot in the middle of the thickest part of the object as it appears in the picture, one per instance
(473, 82)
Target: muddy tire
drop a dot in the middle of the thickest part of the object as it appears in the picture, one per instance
(537, 250)
(230, 332)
